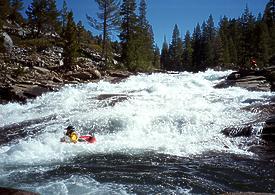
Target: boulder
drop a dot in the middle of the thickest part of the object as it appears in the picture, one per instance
(234, 76)
(95, 74)
(268, 132)
(9, 191)
(7, 42)
(112, 99)
(256, 80)
(243, 131)
(84, 76)
(253, 85)
(22, 92)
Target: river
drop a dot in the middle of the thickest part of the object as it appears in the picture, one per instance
(158, 133)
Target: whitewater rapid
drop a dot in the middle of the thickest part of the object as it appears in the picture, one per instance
(178, 114)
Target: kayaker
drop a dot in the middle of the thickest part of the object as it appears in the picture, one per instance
(71, 134)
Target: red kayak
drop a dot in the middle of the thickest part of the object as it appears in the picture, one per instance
(88, 138)
(82, 139)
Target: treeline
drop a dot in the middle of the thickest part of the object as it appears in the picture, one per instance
(135, 51)
(236, 43)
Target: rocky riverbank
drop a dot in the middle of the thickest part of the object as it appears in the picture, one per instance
(31, 67)
(254, 80)
(24, 77)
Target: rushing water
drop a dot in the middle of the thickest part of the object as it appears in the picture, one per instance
(158, 133)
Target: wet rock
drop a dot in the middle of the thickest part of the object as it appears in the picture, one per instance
(20, 130)
(112, 99)
(268, 132)
(242, 131)
(9, 191)
(234, 76)
(253, 80)
(22, 92)
(253, 85)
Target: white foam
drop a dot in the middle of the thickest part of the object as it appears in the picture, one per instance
(180, 114)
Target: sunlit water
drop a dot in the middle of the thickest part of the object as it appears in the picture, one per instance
(158, 133)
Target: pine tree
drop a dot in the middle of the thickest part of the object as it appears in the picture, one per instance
(146, 38)
(164, 58)
(156, 60)
(208, 38)
(128, 35)
(64, 13)
(234, 45)
(188, 53)
(224, 36)
(197, 48)
(109, 21)
(43, 17)
(262, 43)
(70, 42)
(53, 22)
(218, 52)
(232, 52)
(247, 42)
(269, 14)
(84, 37)
(16, 7)
(269, 19)
(176, 51)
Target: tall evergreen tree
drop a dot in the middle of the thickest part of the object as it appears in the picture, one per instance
(164, 58)
(176, 51)
(109, 21)
(156, 59)
(208, 38)
(70, 42)
(224, 37)
(146, 38)
(232, 52)
(197, 48)
(43, 17)
(64, 13)
(269, 13)
(15, 11)
(235, 36)
(269, 19)
(262, 43)
(188, 53)
(247, 42)
(53, 21)
(128, 36)
(218, 52)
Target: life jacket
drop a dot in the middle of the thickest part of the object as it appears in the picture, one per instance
(73, 137)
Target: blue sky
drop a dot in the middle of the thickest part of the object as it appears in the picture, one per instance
(164, 14)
